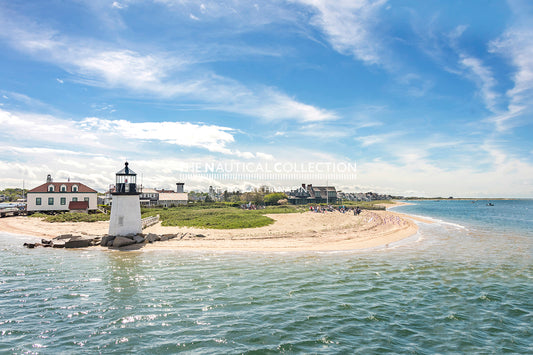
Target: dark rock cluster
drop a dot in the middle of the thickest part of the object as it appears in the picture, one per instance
(67, 241)
(79, 241)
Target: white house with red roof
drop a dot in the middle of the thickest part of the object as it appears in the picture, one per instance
(57, 196)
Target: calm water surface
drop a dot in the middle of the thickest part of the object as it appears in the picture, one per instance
(463, 284)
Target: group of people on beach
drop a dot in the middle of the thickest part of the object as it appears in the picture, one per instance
(342, 209)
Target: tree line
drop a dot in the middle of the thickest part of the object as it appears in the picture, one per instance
(12, 194)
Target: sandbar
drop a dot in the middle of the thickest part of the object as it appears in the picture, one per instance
(308, 231)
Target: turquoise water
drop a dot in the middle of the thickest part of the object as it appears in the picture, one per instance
(463, 284)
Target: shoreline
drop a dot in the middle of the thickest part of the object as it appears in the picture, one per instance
(308, 231)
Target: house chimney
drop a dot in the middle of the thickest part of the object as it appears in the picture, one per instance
(49, 178)
(309, 186)
(179, 186)
(303, 186)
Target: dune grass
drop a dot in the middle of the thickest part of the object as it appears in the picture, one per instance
(72, 217)
(215, 217)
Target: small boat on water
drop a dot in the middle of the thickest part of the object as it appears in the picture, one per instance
(490, 204)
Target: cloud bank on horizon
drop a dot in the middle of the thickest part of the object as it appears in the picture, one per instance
(429, 99)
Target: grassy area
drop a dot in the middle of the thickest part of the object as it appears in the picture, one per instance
(72, 217)
(217, 216)
(206, 215)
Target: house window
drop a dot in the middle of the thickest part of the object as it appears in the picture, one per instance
(63, 200)
(86, 199)
(75, 188)
(75, 199)
(50, 201)
(38, 201)
(63, 188)
(50, 188)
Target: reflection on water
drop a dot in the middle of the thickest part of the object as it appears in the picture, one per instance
(453, 288)
(123, 277)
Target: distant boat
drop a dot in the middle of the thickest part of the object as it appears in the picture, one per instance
(490, 204)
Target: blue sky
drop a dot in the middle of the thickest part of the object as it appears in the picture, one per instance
(426, 97)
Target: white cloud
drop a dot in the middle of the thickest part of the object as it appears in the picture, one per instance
(509, 178)
(377, 138)
(163, 75)
(212, 138)
(278, 106)
(117, 136)
(120, 67)
(118, 5)
(517, 45)
(45, 128)
(484, 79)
(349, 26)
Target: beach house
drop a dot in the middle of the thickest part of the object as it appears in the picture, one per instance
(57, 197)
(171, 198)
(149, 197)
(312, 194)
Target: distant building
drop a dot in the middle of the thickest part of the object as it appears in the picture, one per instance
(157, 197)
(149, 197)
(364, 196)
(56, 196)
(312, 194)
(168, 199)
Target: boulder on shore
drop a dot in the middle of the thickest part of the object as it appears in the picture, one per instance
(122, 241)
(138, 239)
(78, 243)
(151, 237)
(107, 240)
(64, 236)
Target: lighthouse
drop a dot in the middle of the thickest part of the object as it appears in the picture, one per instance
(126, 209)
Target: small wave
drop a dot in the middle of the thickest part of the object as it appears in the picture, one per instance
(436, 220)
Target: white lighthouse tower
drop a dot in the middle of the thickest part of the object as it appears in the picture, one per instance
(126, 209)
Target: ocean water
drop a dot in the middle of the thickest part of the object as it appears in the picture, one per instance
(463, 284)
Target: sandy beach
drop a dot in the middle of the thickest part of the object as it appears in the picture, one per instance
(293, 231)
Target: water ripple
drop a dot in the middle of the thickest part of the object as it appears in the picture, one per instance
(417, 299)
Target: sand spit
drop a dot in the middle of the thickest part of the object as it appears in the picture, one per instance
(307, 231)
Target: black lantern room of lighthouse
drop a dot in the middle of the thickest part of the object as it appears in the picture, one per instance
(126, 182)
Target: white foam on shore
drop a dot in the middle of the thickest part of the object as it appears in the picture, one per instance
(437, 221)
(431, 219)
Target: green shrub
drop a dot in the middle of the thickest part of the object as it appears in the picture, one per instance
(217, 217)
(76, 217)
